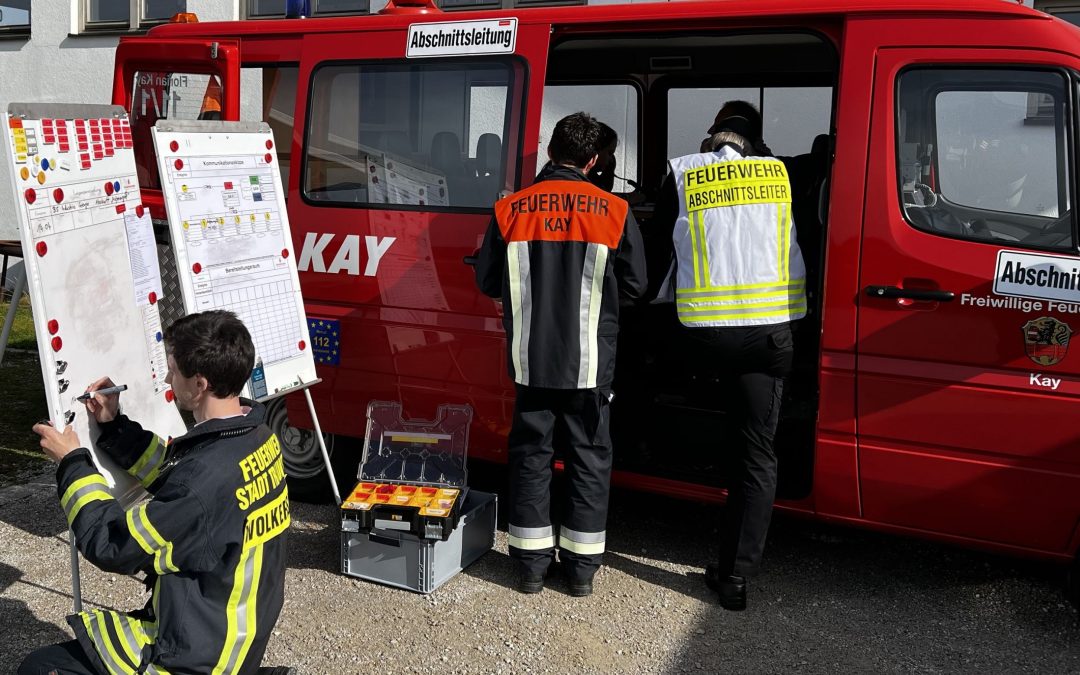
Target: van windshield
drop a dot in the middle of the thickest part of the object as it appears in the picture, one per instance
(423, 135)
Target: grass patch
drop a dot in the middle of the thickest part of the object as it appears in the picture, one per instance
(22, 331)
(24, 404)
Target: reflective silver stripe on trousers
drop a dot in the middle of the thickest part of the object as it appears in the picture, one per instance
(592, 292)
(517, 258)
(582, 543)
(531, 532)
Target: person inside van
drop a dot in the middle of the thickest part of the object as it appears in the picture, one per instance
(725, 219)
(602, 174)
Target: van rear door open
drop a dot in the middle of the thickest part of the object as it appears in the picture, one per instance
(410, 134)
(170, 78)
(967, 385)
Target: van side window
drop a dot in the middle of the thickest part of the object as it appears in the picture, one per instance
(429, 135)
(983, 155)
(616, 105)
(268, 94)
(792, 117)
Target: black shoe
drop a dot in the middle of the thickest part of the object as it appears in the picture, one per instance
(580, 588)
(732, 589)
(276, 670)
(530, 583)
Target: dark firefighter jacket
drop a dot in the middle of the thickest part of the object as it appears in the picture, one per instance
(559, 253)
(211, 541)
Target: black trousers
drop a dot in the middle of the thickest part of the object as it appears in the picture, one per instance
(581, 417)
(66, 658)
(756, 360)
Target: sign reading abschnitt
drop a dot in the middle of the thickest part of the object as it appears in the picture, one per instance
(454, 38)
(1037, 275)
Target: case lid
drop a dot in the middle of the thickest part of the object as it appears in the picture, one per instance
(422, 452)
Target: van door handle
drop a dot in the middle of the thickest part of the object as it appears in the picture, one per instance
(469, 260)
(909, 294)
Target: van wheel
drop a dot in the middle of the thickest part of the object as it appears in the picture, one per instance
(304, 466)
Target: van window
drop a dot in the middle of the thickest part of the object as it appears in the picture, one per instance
(424, 135)
(616, 105)
(791, 116)
(168, 96)
(268, 94)
(983, 155)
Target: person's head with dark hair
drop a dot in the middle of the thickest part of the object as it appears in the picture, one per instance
(740, 117)
(603, 173)
(575, 141)
(210, 357)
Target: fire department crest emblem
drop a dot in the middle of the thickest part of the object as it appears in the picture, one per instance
(1046, 340)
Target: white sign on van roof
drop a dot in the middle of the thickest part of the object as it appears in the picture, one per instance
(455, 38)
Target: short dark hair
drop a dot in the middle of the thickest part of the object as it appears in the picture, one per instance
(743, 109)
(575, 140)
(216, 345)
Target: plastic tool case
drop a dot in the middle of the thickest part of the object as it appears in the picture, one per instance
(411, 521)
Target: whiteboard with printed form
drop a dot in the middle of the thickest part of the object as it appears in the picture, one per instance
(92, 267)
(233, 246)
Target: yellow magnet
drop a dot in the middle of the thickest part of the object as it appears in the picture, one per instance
(41, 177)
(25, 173)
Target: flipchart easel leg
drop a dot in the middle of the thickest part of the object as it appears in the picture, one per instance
(322, 447)
(9, 320)
(76, 582)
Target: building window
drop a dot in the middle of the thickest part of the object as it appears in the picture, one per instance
(127, 15)
(1066, 10)
(275, 9)
(14, 17)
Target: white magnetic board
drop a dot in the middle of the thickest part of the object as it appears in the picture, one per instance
(232, 242)
(91, 265)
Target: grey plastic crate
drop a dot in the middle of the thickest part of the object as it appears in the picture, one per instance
(401, 559)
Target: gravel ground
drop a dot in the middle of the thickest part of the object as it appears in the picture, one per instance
(829, 600)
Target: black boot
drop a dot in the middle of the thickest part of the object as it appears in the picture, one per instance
(276, 670)
(732, 589)
(529, 583)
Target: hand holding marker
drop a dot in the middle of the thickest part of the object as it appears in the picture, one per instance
(107, 390)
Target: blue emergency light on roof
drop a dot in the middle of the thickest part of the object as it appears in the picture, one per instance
(297, 9)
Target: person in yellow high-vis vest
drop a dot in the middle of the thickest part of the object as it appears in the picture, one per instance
(739, 281)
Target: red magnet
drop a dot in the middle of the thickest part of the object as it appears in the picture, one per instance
(139, 210)
(153, 297)
(269, 158)
(42, 249)
(174, 146)
(54, 326)
(109, 188)
(269, 145)
(179, 164)
(120, 208)
(196, 268)
(57, 344)
(302, 345)
(58, 195)
(284, 253)
(169, 395)
(31, 195)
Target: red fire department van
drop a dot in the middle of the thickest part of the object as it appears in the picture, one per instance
(934, 393)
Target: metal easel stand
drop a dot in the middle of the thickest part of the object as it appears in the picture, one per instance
(9, 320)
(322, 446)
(76, 582)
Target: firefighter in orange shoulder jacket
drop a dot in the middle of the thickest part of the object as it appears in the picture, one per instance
(211, 540)
(560, 253)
